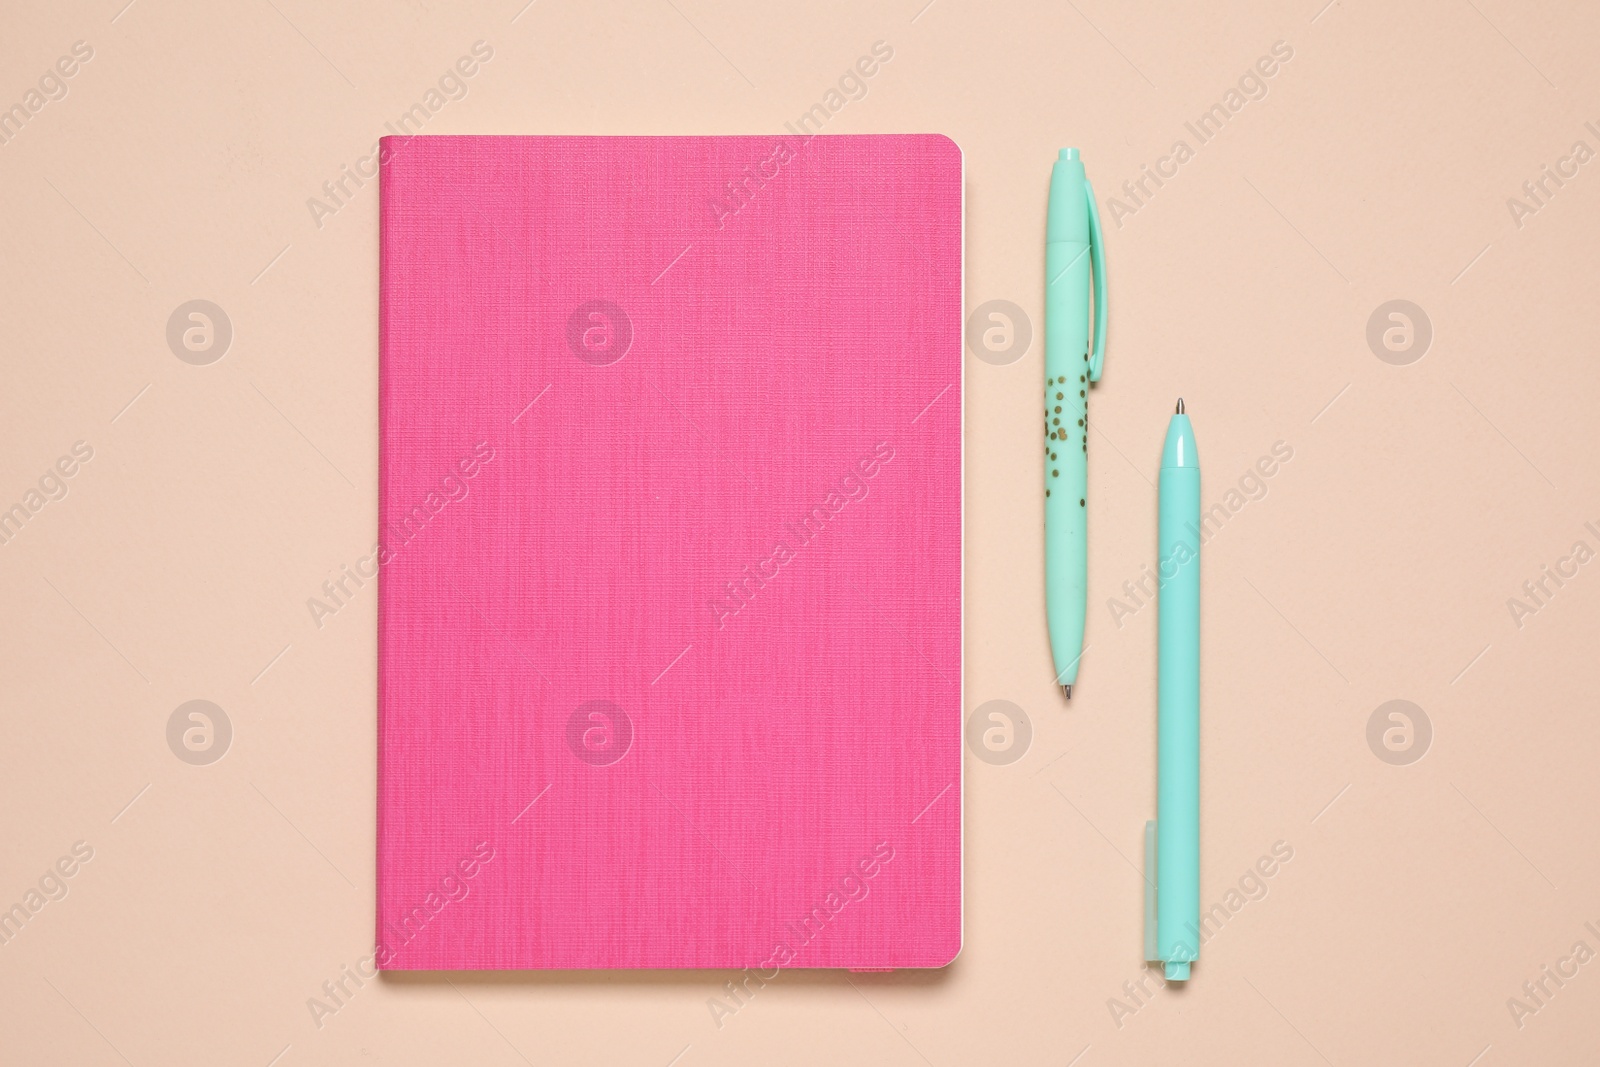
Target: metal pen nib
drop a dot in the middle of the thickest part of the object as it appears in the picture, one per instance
(1180, 405)
(1067, 689)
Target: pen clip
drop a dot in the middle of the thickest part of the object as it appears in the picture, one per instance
(1097, 256)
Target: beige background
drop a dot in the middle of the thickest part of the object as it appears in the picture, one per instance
(1377, 567)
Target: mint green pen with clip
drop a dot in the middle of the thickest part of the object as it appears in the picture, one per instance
(1074, 252)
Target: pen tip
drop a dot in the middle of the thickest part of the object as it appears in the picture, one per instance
(1180, 405)
(1067, 689)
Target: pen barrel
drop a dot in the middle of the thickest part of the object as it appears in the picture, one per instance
(1066, 310)
(1066, 425)
(1178, 700)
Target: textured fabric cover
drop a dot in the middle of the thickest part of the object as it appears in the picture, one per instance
(670, 507)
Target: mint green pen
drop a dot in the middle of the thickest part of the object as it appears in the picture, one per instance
(1176, 878)
(1073, 247)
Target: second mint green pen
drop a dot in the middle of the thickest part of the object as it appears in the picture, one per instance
(1073, 249)
(1173, 843)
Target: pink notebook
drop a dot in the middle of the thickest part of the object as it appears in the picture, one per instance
(670, 516)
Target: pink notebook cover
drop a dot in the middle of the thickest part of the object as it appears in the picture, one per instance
(670, 517)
